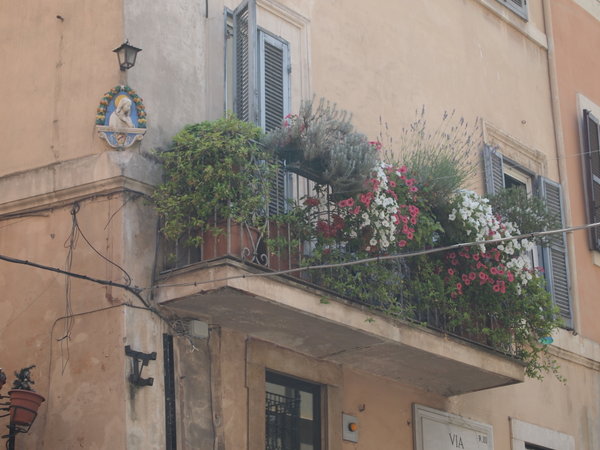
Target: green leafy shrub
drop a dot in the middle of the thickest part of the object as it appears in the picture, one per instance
(213, 171)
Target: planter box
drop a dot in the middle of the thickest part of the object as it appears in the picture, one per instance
(234, 239)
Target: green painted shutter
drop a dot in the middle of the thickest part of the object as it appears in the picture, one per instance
(494, 172)
(591, 163)
(554, 255)
(244, 60)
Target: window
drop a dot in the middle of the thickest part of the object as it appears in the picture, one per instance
(535, 447)
(500, 173)
(292, 414)
(519, 7)
(591, 164)
(261, 70)
(526, 436)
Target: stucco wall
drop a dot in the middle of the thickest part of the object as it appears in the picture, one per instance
(575, 32)
(81, 377)
(54, 73)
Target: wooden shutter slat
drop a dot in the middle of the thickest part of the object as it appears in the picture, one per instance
(494, 171)
(244, 41)
(555, 257)
(591, 163)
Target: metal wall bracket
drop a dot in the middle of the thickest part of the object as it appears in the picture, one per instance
(138, 357)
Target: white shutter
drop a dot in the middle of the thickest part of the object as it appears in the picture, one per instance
(494, 171)
(244, 61)
(554, 255)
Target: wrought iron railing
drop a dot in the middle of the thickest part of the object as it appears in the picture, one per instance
(272, 244)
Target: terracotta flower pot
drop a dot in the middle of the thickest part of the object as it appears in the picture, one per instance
(236, 240)
(23, 406)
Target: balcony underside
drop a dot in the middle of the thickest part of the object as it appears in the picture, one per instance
(293, 315)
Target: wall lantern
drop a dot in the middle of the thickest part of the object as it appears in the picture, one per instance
(126, 54)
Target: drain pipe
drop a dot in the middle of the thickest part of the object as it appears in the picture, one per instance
(561, 156)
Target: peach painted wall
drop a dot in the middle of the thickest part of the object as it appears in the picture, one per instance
(576, 33)
(54, 73)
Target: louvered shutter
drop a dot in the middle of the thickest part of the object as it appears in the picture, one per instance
(274, 81)
(554, 255)
(517, 6)
(244, 59)
(591, 163)
(494, 171)
(274, 105)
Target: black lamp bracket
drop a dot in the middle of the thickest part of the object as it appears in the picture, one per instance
(138, 357)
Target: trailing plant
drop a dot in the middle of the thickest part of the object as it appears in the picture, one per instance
(489, 293)
(321, 143)
(213, 171)
(528, 212)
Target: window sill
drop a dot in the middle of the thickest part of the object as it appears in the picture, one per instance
(524, 27)
(596, 258)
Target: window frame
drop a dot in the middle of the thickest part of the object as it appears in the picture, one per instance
(523, 434)
(591, 180)
(520, 10)
(304, 386)
(494, 168)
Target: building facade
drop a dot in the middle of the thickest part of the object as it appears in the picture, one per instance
(222, 345)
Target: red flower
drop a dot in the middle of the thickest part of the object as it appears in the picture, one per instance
(311, 201)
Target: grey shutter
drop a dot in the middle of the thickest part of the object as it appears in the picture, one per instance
(517, 6)
(554, 255)
(274, 81)
(274, 105)
(494, 171)
(244, 60)
(591, 164)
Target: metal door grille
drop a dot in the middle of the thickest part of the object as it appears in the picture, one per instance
(282, 420)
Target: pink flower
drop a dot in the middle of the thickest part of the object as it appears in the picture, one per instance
(510, 276)
(450, 271)
(496, 288)
(472, 276)
(392, 184)
(409, 235)
(413, 220)
(413, 189)
(483, 276)
(493, 271)
(410, 181)
(403, 169)
(402, 243)
(356, 210)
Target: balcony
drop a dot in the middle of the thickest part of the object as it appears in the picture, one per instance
(348, 259)
(242, 278)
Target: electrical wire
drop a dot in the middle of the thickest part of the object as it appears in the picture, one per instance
(382, 258)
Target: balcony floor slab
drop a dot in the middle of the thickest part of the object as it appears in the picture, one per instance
(297, 316)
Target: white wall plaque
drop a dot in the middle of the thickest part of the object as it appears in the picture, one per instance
(439, 430)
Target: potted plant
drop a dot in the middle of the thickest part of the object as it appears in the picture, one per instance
(24, 402)
(320, 143)
(216, 186)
